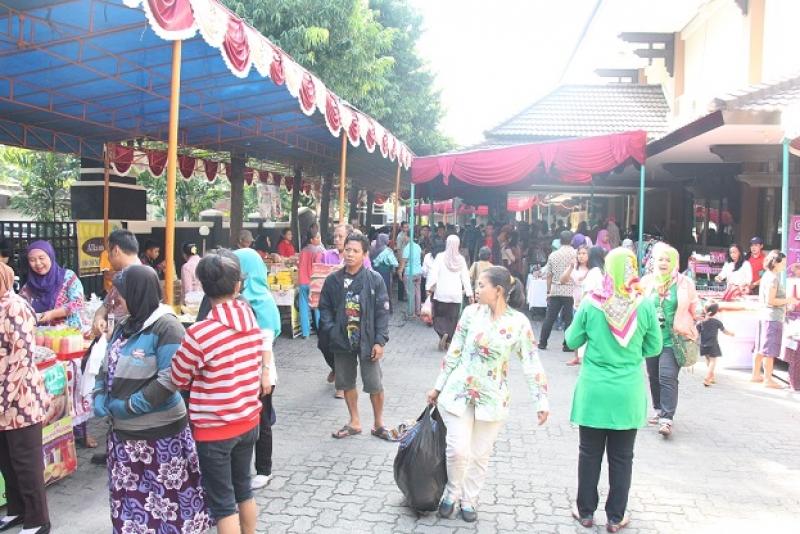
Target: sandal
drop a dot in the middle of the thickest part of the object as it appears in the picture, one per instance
(88, 442)
(345, 431)
(339, 394)
(382, 433)
(707, 382)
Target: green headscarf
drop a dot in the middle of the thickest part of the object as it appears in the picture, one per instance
(256, 290)
(618, 299)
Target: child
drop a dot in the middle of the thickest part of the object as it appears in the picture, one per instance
(709, 342)
(224, 362)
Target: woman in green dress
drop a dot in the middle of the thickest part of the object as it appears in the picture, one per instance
(620, 330)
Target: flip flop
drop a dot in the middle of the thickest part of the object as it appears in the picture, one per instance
(382, 433)
(345, 431)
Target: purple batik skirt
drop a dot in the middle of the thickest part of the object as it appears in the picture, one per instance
(155, 486)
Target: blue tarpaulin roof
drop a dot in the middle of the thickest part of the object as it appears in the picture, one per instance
(77, 73)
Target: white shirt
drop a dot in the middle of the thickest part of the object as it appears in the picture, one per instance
(450, 286)
(742, 277)
(427, 264)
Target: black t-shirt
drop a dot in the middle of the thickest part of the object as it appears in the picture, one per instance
(709, 331)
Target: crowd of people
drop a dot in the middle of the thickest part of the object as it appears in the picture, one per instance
(190, 408)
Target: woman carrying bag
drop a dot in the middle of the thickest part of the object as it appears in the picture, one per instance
(472, 389)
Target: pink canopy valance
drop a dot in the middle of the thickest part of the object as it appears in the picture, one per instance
(572, 160)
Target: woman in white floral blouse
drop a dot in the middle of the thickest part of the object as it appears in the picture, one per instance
(472, 389)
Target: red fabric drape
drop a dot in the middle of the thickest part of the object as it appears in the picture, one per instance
(370, 138)
(276, 72)
(385, 144)
(121, 157)
(186, 165)
(574, 160)
(248, 175)
(276, 179)
(211, 168)
(353, 131)
(288, 181)
(156, 160)
(235, 45)
(307, 94)
(332, 116)
(172, 15)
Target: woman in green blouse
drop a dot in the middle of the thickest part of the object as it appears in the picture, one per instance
(472, 389)
(620, 330)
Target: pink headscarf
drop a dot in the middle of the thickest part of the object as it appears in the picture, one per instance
(603, 240)
(453, 259)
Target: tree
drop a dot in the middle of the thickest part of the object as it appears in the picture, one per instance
(191, 196)
(44, 177)
(365, 52)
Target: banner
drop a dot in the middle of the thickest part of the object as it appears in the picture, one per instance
(269, 202)
(793, 245)
(91, 244)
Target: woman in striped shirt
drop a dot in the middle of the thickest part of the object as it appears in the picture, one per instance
(220, 363)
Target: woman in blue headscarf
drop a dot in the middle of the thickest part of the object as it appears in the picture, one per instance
(55, 293)
(256, 291)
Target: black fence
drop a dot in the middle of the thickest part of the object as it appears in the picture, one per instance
(63, 236)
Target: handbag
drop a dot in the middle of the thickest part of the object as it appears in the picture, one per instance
(686, 350)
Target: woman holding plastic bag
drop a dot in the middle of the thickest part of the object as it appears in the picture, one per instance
(472, 389)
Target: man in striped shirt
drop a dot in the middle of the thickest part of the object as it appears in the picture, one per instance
(221, 361)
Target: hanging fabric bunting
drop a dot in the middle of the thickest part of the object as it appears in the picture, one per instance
(186, 165)
(265, 177)
(212, 21)
(288, 181)
(354, 131)
(385, 144)
(332, 116)
(276, 69)
(306, 188)
(236, 47)
(370, 138)
(307, 95)
(248, 175)
(121, 158)
(393, 149)
(170, 19)
(156, 161)
(276, 179)
(211, 168)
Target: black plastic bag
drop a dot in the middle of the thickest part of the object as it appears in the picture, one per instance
(420, 467)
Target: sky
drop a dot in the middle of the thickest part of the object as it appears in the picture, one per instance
(493, 58)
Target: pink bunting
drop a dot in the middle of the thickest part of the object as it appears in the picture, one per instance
(236, 47)
(276, 71)
(171, 15)
(332, 117)
(307, 94)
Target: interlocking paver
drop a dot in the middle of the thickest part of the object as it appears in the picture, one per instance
(729, 467)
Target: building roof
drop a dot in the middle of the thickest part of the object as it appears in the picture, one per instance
(772, 96)
(587, 110)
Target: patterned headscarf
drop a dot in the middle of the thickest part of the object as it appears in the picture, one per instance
(618, 297)
(665, 280)
(453, 259)
(44, 288)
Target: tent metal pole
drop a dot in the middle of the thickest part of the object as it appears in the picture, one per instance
(343, 178)
(172, 162)
(396, 203)
(410, 262)
(106, 192)
(785, 199)
(640, 252)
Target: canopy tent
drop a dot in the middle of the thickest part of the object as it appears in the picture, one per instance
(76, 74)
(468, 174)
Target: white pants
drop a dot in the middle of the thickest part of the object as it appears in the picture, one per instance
(469, 445)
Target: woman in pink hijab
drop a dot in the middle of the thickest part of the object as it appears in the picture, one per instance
(603, 240)
(448, 283)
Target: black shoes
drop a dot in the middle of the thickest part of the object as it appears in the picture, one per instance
(446, 508)
(5, 525)
(100, 458)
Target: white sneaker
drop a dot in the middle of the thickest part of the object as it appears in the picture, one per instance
(259, 481)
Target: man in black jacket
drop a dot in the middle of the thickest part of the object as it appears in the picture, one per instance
(354, 320)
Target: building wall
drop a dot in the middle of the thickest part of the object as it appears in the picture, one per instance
(716, 56)
(781, 39)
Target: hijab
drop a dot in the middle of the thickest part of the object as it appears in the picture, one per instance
(256, 290)
(665, 280)
(617, 297)
(380, 245)
(6, 279)
(578, 240)
(44, 288)
(139, 286)
(603, 240)
(453, 259)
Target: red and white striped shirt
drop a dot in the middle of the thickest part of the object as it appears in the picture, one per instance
(219, 362)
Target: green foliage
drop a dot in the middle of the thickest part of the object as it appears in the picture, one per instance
(191, 196)
(365, 52)
(44, 177)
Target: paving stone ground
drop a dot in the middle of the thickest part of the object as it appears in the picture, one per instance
(731, 465)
